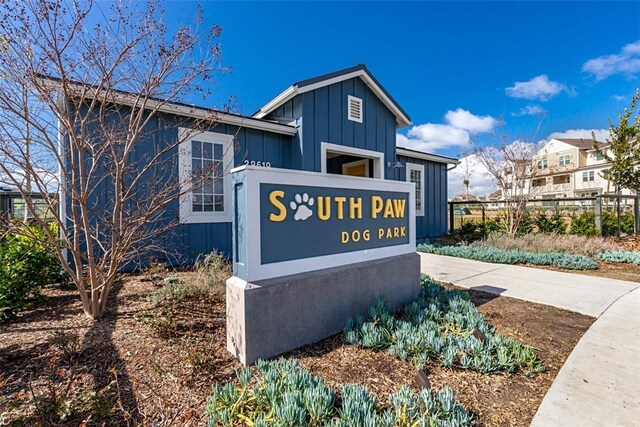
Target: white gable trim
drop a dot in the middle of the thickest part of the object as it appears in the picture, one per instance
(292, 91)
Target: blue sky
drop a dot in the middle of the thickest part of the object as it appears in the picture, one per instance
(455, 67)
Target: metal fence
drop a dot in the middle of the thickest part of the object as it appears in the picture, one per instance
(568, 208)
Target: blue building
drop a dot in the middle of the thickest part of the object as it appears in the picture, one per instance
(344, 122)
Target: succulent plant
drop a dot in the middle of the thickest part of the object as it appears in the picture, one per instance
(282, 393)
(512, 256)
(441, 325)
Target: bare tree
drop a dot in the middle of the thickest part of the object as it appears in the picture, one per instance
(87, 105)
(511, 163)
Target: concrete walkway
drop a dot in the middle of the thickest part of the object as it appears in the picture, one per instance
(599, 384)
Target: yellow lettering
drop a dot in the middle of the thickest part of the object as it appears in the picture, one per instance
(355, 235)
(402, 232)
(355, 208)
(388, 209)
(389, 233)
(380, 233)
(398, 205)
(396, 232)
(376, 206)
(345, 237)
(340, 201)
(366, 235)
(324, 207)
(282, 211)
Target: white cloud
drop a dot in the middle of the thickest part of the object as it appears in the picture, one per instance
(530, 110)
(463, 119)
(601, 134)
(539, 87)
(481, 182)
(431, 137)
(626, 62)
(618, 98)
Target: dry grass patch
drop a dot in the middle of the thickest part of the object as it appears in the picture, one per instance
(588, 246)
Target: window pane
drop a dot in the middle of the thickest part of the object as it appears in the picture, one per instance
(196, 149)
(197, 203)
(207, 167)
(207, 150)
(218, 187)
(217, 151)
(207, 186)
(208, 203)
(219, 202)
(196, 169)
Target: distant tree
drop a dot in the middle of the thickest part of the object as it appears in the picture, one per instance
(76, 101)
(622, 151)
(510, 162)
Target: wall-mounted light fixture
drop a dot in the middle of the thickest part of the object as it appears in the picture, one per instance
(395, 165)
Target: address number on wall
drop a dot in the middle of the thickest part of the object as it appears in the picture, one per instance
(254, 163)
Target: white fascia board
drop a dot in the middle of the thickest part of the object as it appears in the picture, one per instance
(283, 97)
(425, 156)
(183, 110)
(292, 91)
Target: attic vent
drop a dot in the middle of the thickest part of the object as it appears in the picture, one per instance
(354, 109)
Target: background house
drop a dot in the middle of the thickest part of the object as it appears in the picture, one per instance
(566, 168)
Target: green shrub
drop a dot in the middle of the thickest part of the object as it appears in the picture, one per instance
(621, 256)
(25, 267)
(282, 393)
(492, 225)
(525, 226)
(470, 231)
(502, 256)
(554, 224)
(584, 224)
(610, 223)
(439, 325)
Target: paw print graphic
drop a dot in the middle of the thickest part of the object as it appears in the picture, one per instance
(301, 206)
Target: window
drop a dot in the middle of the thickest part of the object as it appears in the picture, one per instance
(599, 157)
(588, 176)
(415, 174)
(541, 182)
(205, 160)
(508, 170)
(542, 164)
(564, 160)
(354, 109)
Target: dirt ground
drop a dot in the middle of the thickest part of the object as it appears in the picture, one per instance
(148, 364)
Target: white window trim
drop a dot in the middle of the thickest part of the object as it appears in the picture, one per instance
(378, 158)
(420, 168)
(351, 99)
(364, 162)
(187, 216)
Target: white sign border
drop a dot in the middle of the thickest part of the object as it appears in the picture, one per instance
(254, 268)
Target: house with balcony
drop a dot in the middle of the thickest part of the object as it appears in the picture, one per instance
(562, 168)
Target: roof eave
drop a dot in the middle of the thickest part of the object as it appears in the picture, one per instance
(426, 156)
(169, 107)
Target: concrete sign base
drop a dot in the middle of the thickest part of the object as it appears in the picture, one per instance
(272, 316)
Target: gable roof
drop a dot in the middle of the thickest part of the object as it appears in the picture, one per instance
(360, 70)
(581, 143)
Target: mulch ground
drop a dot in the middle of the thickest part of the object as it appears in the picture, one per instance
(155, 364)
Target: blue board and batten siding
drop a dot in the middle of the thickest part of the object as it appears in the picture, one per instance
(434, 221)
(320, 116)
